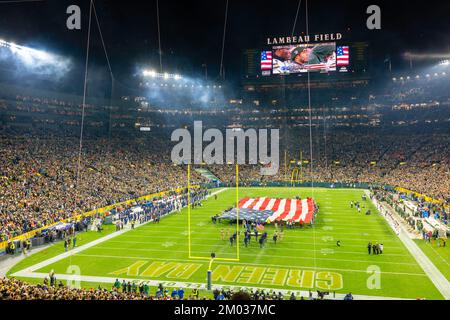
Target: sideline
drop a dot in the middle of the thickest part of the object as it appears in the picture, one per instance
(438, 279)
(86, 246)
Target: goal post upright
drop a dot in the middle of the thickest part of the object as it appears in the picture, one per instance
(189, 207)
(237, 211)
(198, 257)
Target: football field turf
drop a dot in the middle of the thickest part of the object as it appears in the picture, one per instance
(304, 259)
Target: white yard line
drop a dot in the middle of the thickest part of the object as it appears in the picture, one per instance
(290, 249)
(263, 253)
(438, 279)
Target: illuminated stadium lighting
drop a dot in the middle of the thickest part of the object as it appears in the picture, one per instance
(35, 59)
(401, 78)
(435, 74)
(407, 77)
(427, 75)
(417, 77)
(165, 75)
(443, 73)
(149, 73)
(394, 79)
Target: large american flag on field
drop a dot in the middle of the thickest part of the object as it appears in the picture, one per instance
(273, 210)
(266, 60)
(342, 56)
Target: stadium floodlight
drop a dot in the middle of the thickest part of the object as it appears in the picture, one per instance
(39, 60)
(394, 79)
(417, 77)
(166, 76)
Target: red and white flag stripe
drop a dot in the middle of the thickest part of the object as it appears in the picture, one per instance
(283, 209)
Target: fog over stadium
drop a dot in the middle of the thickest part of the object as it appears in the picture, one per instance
(224, 150)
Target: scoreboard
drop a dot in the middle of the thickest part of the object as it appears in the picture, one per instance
(325, 54)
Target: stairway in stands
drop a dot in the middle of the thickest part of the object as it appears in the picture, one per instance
(207, 174)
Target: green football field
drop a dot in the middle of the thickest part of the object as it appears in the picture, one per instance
(305, 259)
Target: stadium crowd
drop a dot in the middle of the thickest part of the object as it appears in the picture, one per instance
(39, 176)
(13, 289)
(40, 182)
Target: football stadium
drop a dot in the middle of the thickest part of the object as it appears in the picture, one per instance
(169, 150)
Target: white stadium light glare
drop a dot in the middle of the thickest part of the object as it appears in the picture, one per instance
(166, 76)
(37, 60)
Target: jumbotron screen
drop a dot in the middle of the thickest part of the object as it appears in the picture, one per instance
(308, 57)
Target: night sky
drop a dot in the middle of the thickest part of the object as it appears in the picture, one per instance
(191, 31)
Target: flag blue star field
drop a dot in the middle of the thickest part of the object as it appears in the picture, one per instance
(250, 215)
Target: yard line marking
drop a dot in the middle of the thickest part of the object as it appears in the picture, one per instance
(291, 249)
(287, 236)
(269, 255)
